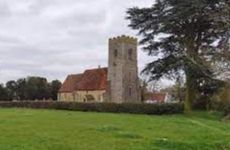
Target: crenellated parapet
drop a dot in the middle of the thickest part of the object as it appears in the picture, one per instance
(124, 39)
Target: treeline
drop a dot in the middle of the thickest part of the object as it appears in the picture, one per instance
(30, 88)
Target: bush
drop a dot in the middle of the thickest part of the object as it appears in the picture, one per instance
(221, 107)
(100, 107)
(203, 103)
(227, 110)
(200, 104)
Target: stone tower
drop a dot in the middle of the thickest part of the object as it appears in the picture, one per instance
(123, 81)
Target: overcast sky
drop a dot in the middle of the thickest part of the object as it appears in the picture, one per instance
(54, 38)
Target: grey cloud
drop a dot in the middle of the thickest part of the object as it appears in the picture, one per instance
(84, 19)
(53, 38)
(9, 40)
(37, 6)
(4, 10)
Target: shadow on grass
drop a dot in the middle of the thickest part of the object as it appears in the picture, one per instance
(119, 133)
(108, 129)
(206, 115)
(127, 135)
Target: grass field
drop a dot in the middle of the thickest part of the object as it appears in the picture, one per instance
(25, 129)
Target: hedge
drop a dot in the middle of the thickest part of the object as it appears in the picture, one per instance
(149, 109)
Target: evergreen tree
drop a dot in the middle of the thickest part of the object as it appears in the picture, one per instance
(185, 35)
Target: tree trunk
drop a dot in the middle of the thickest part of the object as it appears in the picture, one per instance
(190, 88)
(190, 93)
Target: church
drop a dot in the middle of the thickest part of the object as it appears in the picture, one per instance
(119, 83)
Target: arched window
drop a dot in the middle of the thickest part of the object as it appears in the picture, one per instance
(115, 53)
(90, 98)
(130, 53)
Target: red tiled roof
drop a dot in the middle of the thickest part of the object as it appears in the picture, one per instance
(70, 83)
(90, 80)
(95, 79)
(159, 97)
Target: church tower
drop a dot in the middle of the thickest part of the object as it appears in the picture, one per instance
(123, 81)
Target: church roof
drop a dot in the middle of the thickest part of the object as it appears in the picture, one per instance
(90, 80)
(69, 84)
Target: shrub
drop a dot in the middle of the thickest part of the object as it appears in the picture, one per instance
(220, 106)
(201, 104)
(227, 110)
(100, 107)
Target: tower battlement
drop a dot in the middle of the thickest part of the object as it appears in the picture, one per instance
(124, 39)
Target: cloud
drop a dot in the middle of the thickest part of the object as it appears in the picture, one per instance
(4, 10)
(4, 39)
(53, 38)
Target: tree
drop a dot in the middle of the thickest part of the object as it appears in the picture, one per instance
(156, 85)
(144, 90)
(176, 91)
(184, 35)
(33, 88)
(37, 88)
(30, 88)
(11, 87)
(21, 89)
(3, 93)
(55, 86)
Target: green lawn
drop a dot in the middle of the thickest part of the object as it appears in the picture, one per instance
(25, 129)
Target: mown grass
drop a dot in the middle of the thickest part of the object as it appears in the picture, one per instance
(26, 129)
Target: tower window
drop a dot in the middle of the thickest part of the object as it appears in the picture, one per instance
(130, 76)
(115, 53)
(130, 53)
(114, 64)
(130, 91)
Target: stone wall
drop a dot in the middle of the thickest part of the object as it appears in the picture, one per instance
(83, 96)
(65, 97)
